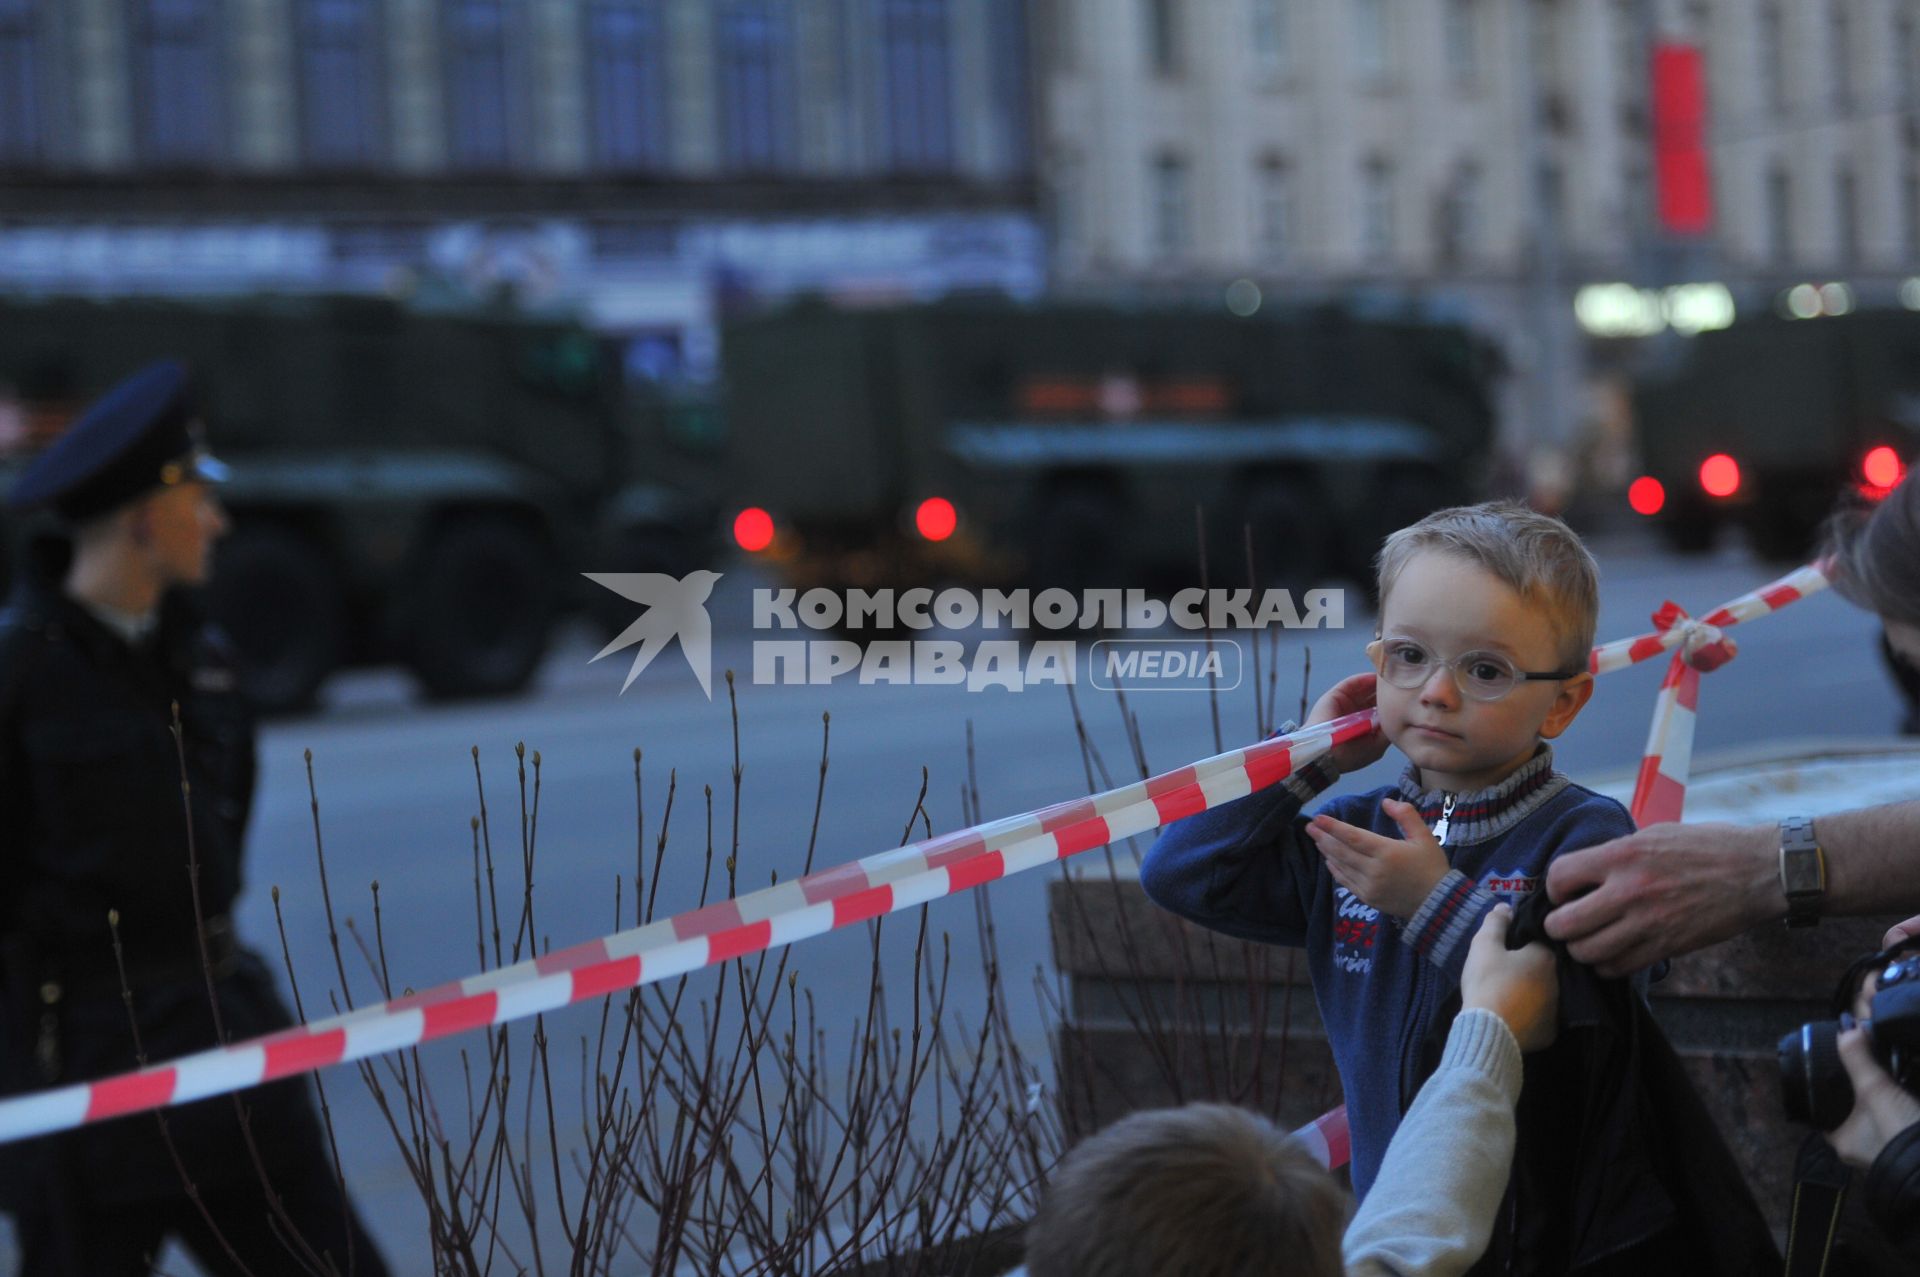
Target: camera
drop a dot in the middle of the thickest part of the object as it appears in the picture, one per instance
(1814, 1084)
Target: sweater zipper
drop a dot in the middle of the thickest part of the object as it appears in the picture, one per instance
(1446, 814)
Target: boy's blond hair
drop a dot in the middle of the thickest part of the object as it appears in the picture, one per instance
(1207, 1190)
(1536, 554)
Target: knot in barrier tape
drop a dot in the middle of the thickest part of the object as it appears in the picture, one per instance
(1703, 646)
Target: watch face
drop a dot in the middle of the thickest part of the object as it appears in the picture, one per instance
(1800, 871)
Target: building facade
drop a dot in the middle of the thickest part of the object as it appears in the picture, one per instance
(1485, 158)
(655, 157)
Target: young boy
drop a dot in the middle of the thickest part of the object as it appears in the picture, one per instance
(1487, 616)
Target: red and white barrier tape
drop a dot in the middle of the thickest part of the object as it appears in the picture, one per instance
(1660, 791)
(1326, 1138)
(778, 915)
(1770, 598)
(863, 889)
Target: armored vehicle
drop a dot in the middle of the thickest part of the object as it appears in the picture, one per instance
(1089, 446)
(1766, 424)
(412, 485)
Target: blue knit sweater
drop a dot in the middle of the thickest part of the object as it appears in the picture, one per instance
(1248, 869)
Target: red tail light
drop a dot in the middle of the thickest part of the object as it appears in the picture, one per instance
(753, 529)
(936, 518)
(1647, 495)
(1720, 475)
(1882, 468)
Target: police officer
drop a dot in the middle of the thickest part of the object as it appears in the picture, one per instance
(95, 652)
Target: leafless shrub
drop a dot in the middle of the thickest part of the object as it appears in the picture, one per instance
(718, 1123)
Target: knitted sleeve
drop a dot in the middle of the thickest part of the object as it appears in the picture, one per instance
(1431, 1208)
(1245, 867)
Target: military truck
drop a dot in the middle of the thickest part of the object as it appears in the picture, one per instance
(1090, 446)
(408, 484)
(1764, 425)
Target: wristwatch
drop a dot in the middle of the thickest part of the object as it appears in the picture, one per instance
(1803, 871)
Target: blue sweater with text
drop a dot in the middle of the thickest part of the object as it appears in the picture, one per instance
(1248, 869)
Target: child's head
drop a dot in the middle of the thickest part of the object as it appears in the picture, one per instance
(1512, 588)
(1876, 562)
(1205, 1191)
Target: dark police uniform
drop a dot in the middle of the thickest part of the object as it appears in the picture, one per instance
(95, 821)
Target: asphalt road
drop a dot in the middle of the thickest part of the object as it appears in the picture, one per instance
(396, 785)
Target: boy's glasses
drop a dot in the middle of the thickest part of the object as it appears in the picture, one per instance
(1483, 676)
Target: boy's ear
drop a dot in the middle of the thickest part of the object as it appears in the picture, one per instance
(1572, 698)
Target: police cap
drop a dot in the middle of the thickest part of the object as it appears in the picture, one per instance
(142, 434)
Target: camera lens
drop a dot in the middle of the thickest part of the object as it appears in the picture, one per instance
(1813, 1083)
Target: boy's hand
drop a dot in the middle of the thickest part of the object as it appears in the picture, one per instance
(1521, 986)
(1394, 875)
(1900, 931)
(1349, 696)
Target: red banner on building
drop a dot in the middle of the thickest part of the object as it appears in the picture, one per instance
(1681, 169)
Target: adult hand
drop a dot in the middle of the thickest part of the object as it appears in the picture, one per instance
(1394, 875)
(1881, 1108)
(1521, 986)
(1663, 890)
(1349, 696)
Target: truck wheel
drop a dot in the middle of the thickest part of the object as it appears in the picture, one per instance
(483, 603)
(1782, 537)
(1689, 533)
(1074, 542)
(1292, 534)
(275, 595)
(638, 550)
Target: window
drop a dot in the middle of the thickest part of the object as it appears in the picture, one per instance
(1773, 56)
(1846, 202)
(627, 78)
(1057, 40)
(757, 99)
(1172, 216)
(1910, 205)
(1903, 55)
(1840, 55)
(1632, 68)
(1372, 38)
(1008, 43)
(1274, 213)
(1780, 246)
(1377, 211)
(1163, 36)
(22, 121)
(1700, 31)
(1460, 212)
(1463, 37)
(480, 107)
(1272, 53)
(1551, 183)
(339, 71)
(1064, 180)
(1637, 190)
(176, 81)
(1547, 45)
(917, 82)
